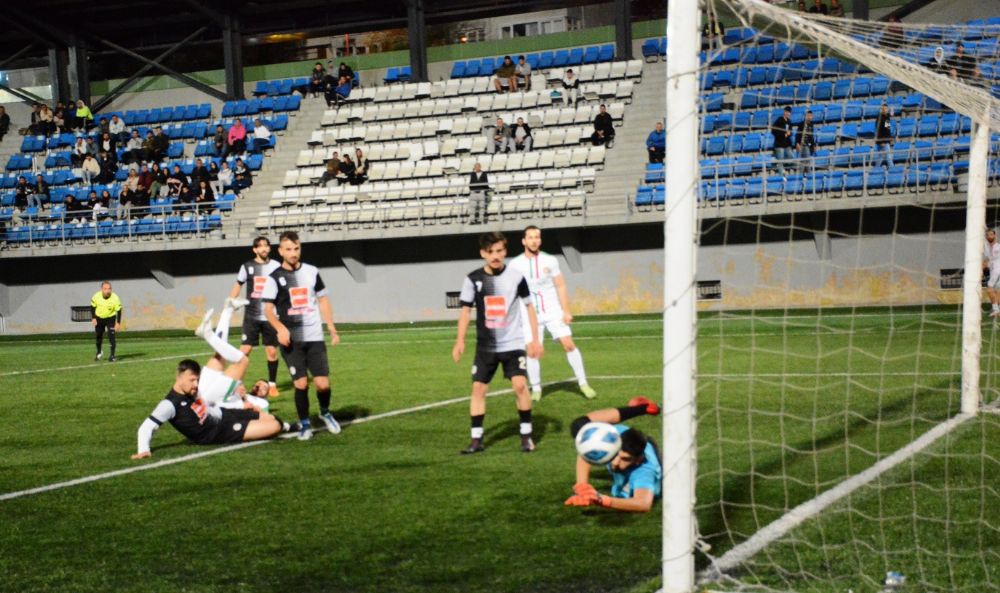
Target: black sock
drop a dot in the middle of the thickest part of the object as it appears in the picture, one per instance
(272, 371)
(324, 400)
(302, 403)
(100, 342)
(111, 339)
(629, 412)
(477, 426)
(525, 416)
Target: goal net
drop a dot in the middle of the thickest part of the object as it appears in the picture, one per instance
(845, 353)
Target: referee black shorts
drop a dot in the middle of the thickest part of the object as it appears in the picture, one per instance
(106, 323)
(255, 331)
(515, 364)
(306, 358)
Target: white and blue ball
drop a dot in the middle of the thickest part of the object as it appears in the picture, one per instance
(598, 442)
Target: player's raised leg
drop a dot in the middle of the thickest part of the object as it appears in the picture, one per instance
(224, 349)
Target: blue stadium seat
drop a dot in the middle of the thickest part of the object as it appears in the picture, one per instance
(741, 121)
(842, 89)
(854, 182)
(749, 55)
(707, 79)
(392, 75)
(546, 59)
(826, 135)
(928, 125)
(532, 60)
(606, 53)
(735, 143)
(405, 73)
(260, 88)
(561, 59)
(458, 70)
(714, 145)
(923, 150)
(591, 55)
(654, 173)
(950, 124)
(576, 56)
(712, 101)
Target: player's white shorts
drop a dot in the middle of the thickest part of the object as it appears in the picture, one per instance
(994, 279)
(216, 389)
(553, 324)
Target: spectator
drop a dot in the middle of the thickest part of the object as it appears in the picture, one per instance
(83, 115)
(523, 73)
(103, 126)
(938, 63)
(339, 93)
(149, 148)
(145, 181)
(4, 122)
(347, 170)
(126, 200)
(836, 9)
(213, 179)
(33, 126)
(570, 85)
(107, 167)
(883, 138)
(200, 173)
(604, 128)
(103, 205)
(117, 130)
(802, 6)
(90, 169)
(656, 144)
(236, 141)
(186, 197)
(204, 197)
(505, 76)
(219, 141)
(46, 121)
(41, 191)
(712, 33)
(331, 172)
(344, 71)
(71, 122)
(242, 178)
(59, 119)
(781, 129)
(133, 149)
(819, 7)
(261, 136)
(317, 83)
(500, 135)
(93, 204)
(175, 181)
(80, 151)
(361, 168)
(74, 209)
(22, 194)
(226, 178)
(962, 65)
(161, 144)
(805, 142)
(158, 187)
(132, 181)
(109, 144)
(479, 184)
(520, 137)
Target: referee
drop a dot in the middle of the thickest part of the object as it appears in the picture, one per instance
(106, 309)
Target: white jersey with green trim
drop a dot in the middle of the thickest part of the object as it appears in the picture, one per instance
(540, 272)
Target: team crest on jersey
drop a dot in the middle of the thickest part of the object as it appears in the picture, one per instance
(281, 281)
(479, 285)
(183, 404)
(237, 426)
(291, 370)
(250, 270)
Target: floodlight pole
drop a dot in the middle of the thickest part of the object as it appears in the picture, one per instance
(679, 291)
(972, 303)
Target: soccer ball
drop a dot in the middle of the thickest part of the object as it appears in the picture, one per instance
(598, 442)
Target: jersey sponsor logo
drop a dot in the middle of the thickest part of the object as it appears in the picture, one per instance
(496, 311)
(259, 282)
(299, 297)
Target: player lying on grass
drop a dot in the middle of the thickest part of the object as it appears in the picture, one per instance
(635, 471)
(209, 405)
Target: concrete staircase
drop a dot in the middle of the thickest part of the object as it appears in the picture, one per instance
(301, 124)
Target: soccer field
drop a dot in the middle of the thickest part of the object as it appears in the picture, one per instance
(803, 400)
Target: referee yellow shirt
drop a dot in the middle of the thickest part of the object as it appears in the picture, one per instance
(105, 307)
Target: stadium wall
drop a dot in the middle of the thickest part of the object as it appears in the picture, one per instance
(609, 270)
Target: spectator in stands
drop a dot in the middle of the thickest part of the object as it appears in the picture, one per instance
(261, 136)
(204, 197)
(74, 209)
(712, 33)
(213, 178)
(41, 191)
(499, 135)
(22, 193)
(781, 129)
(132, 181)
(108, 167)
(126, 200)
(883, 138)
(161, 144)
(656, 144)
(242, 178)
(937, 63)
(134, 152)
(345, 71)
(145, 181)
(226, 179)
(360, 168)
(523, 73)
(520, 137)
(200, 173)
(90, 169)
(71, 122)
(836, 9)
(59, 119)
(335, 95)
(103, 126)
(570, 85)
(346, 170)
(479, 184)
(103, 203)
(80, 151)
(219, 141)
(805, 143)
(46, 121)
(117, 129)
(109, 144)
(236, 141)
(4, 122)
(83, 115)
(331, 172)
(175, 181)
(505, 76)
(158, 187)
(819, 7)
(149, 148)
(33, 127)
(604, 128)
(962, 65)
(317, 82)
(93, 204)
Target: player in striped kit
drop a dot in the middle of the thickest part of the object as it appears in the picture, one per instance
(551, 300)
(991, 261)
(254, 273)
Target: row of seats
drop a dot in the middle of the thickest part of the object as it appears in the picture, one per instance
(563, 58)
(161, 115)
(275, 88)
(112, 230)
(825, 136)
(246, 107)
(751, 76)
(856, 88)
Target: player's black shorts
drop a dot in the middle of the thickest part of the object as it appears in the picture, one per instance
(233, 425)
(255, 330)
(485, 366)
(304, 358)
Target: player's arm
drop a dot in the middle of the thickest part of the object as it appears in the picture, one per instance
(93, 311)
(284, 338)
(535, 346)
(163, 412)
(563, 294)
(326, 312)
(463, 327)
(641, 501)
(237, 288)
(118, 317)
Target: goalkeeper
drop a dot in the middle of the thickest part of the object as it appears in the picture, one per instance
(635, 471)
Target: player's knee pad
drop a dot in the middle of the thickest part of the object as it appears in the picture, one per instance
(577, 424)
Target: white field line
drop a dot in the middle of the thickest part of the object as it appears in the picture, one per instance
(809, 509)
(103, 365)
(228, 448)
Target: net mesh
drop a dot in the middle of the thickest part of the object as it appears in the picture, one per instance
(831, 447)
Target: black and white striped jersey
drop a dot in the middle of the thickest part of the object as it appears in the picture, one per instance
(254, 275)
(498, 313)
(296, 294)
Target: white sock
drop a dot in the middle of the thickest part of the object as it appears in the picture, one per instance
(996, 307)
(534, 374)
(525, 428)
(222, 328)
(575, 360)
(223, 348)
(477, 432)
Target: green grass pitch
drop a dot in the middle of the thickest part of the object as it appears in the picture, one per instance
(802, 400)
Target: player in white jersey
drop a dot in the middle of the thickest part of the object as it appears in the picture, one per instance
(991, 260)
(551, 300)
(221, 385)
